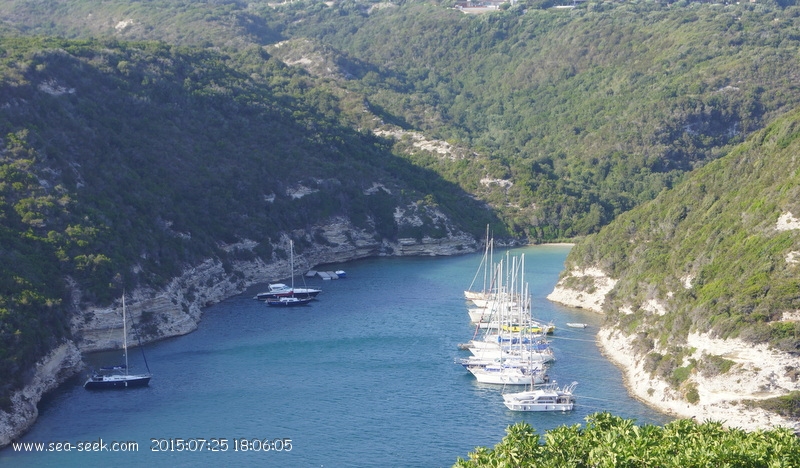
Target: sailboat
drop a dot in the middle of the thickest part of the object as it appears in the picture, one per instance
(118, 376)
(485, 266)
(291, 297)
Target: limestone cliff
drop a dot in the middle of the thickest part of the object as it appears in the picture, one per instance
(177, 309)
(53, 369)
(756, 371)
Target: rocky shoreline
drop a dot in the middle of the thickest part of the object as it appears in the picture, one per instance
(758, 372)
(50, 372)
(178, 308)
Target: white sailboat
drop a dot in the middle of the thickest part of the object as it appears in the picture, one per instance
(485, 267)
(118, 376)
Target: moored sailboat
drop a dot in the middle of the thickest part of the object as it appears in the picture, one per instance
(484, 267)
(510, 352)
(282, 296)
(276, 290)
(118, 376)
(288, 301)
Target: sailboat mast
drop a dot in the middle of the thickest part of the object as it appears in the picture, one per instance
(124, 335)
(486, 260)
(291, 261)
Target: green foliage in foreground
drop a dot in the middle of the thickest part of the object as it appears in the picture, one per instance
(611, 441)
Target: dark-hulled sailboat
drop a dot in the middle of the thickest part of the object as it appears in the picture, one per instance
(118, 376)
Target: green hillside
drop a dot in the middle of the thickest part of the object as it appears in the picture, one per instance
(588, 112)
(582, 114)
(711, 251)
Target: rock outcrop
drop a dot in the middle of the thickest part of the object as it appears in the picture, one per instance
(177, 309)
(757, 373)
(588, 291)
(62, 362)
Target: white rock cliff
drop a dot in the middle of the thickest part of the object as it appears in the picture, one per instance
(757, 373)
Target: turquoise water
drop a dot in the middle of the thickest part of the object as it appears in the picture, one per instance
(365, 376)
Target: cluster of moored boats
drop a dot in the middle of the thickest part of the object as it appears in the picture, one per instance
(509, 347)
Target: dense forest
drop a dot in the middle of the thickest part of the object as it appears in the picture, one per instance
(142, 137)
(566, 118)
(588, 112)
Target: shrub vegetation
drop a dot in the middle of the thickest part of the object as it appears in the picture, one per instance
(610, 441)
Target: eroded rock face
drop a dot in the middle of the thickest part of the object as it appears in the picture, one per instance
(757, 371)
(177, 309)
(52, 370)
(591, 296)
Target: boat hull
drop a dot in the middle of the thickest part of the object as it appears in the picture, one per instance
(117, 382)
(548, 398)
(531, 407)
(296, 293)
(288, 302)
(577, 325)
(507, 376)
(278, 290)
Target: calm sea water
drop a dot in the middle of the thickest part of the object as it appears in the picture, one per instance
(365, 376)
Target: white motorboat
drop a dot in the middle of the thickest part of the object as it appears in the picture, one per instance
(546, 397)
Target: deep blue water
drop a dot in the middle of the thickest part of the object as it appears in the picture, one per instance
(365, 376)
